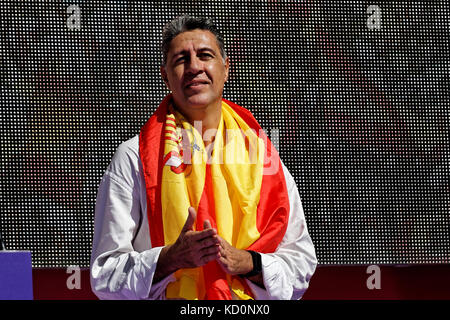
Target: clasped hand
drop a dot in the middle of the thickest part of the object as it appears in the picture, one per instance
(197, 248)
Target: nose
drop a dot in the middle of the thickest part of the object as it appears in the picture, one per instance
(194, 64)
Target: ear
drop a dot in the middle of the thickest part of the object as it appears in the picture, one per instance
(164, 76)
(227, 68)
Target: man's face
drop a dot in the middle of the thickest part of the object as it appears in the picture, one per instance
(195, 70)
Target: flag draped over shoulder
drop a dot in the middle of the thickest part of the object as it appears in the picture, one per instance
(238, 185)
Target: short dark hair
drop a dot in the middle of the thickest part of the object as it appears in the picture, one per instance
(186, 23)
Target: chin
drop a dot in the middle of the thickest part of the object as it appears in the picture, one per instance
(199, 103)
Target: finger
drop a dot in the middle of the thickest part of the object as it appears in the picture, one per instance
(211, 250)
(222, 252)
(192, 214)
(206, 225)
(210, 242)
(223, 243)
(207, 258)
(201, 235)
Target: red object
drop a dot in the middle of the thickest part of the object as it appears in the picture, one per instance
(411, 282)
(272, 210)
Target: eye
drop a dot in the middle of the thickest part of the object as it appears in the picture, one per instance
(205, 55)
(180, 59)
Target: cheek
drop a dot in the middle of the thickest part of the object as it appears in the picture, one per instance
(219, 74)
(175, 77)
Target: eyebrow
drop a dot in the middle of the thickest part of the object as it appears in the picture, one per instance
(203, 49)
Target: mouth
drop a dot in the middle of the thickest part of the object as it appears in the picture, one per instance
(196, 84)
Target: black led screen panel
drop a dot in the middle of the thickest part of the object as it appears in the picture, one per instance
(355, 95)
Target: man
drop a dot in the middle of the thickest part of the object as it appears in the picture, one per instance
(187, 210)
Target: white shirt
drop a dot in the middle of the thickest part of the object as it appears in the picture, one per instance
(123, 261)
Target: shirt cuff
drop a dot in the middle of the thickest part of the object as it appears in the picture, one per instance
(276, 286)
(157, 290)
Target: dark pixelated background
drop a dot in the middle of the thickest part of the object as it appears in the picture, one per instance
(357, 93)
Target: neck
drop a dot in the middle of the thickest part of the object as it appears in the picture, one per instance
(204, 119)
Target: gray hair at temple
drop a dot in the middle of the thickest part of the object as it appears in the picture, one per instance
(186, 23)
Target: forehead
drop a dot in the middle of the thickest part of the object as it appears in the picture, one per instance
(193, 40)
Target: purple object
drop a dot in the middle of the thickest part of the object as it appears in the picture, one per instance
(16, 282)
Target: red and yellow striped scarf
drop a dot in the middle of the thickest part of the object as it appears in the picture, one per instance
(240, 188)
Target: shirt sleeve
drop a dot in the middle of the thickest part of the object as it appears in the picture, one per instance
(118, 271)
(287, 271)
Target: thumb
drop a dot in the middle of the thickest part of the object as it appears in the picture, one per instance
(206, 225)
(192, 215)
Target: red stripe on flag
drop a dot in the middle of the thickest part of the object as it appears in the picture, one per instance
(216, 285)
(168, 124)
